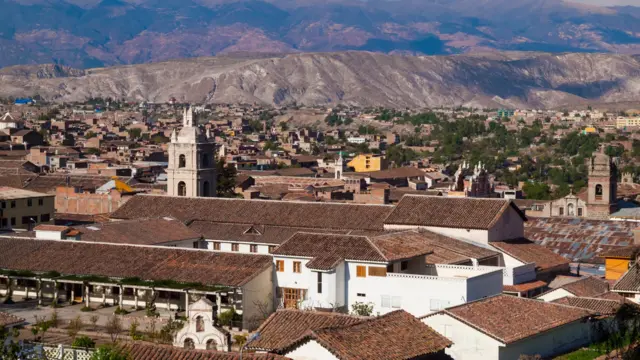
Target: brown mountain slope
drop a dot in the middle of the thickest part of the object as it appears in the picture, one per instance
(362, 78)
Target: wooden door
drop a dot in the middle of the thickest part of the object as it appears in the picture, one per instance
(292, 297)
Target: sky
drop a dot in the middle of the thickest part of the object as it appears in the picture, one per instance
(609, 2)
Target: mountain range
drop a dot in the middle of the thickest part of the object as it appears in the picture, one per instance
(507, 79)
(90, 33)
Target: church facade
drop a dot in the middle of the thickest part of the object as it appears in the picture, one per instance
(192, 166)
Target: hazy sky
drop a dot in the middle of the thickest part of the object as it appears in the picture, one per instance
(609, 2)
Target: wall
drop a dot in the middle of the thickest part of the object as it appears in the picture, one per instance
(554, 294)
(509, 226)
(550, 343)
(615, 268)
(22, 209)
(479, 236)
(310, 350)
(468, 343)
(257, 299)
(70, 202)
(225, 246)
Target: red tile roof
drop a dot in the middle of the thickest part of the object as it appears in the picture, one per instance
(394, 336)
(257, 212)
(463, 213)
(600, 306)
(530, 252)
(588, 286)
(284, 327)
(630, 281)
(138, 232)
(147, 351)
(509, 318)
(519, 288)
(121, 261)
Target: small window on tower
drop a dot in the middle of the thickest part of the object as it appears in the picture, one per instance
(182, 162)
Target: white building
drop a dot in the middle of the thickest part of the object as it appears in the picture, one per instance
(331, 271)
(200, 331)
(505, 327)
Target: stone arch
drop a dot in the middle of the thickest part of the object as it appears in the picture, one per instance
(182, 161)
(188, 343)
(211, 345)
(182, 189)
(571, 210)
(599, 190)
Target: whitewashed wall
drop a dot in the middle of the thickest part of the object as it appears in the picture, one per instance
(310, 350)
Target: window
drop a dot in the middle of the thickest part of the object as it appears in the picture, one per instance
(29, 202)
(45, 217)
(561, 211)
(13, 204)
(579, 211)
(319, 283)
(599, 192)
(182, 162)
(361, 271)
(189, 344)
(182, 189)
(377, 271)
(253, 248)
(385, 301)
(404, 265)
(206, 189)
(212, 345)
(390, 268)
(235, 247)
(4, 204)
(297, 267)
(272, 248)
(396, 302)
(216, 246)
(280, 265)
(5, 222)
(570, 210)
(13, 221)
(40, 202)
(196, 244)
(361, 295)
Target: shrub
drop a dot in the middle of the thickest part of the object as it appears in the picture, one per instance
(83, 342)
(86, 309)
(120, 311)
(226, 317)
(240, 340)
(362, 309)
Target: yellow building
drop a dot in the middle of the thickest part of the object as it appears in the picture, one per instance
(590, 130)
(618, 261)
(368, 162)
(624, 122)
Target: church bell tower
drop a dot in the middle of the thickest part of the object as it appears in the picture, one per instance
(602, 186)
(192, 167)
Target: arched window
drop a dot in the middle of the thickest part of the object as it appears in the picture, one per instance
(205, 160)
(182, 189)
(571, 210)
(189, 344)
(211, 345)
(199, 324)
(598, 192)
(205, 189)
(182, 162)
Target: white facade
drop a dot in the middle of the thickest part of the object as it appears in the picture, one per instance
(554, 295)
(418, 289)
(200, 330)
(310, 350)
(472, 344)
(242, 247)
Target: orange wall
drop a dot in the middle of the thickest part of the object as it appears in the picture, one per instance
(615, 268)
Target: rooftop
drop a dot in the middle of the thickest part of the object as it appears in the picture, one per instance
(284, 327)
(257, 212)
(9, 193)
(393, 336)
(527, 252)
(125, 261)
(597, 305)
(7, 319)
(630, 281)
(509, 318)
(148, 351)
(464, 213)
(138, 232)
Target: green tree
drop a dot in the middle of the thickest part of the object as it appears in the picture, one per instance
(537, 191)
(134, 133)
(226, 179)
(110, 352)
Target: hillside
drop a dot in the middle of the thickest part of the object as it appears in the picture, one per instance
(360, 78)
(92, 33)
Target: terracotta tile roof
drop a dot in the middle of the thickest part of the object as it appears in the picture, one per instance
(45, 227)
(530, 252)
(447, 250)
(147, 351)
(138, 232)
(241, 232)
(122, 261)
(464, 213)
(395, 173)
(284, 327)
(7, 319)
(630, 281)
(509, 318)
(257, 212)
(394, 336)
(580, 239)
(327, 250)
(600, 306)
(626, 252)
(48, 183)
(586, 287)
(519, 288)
